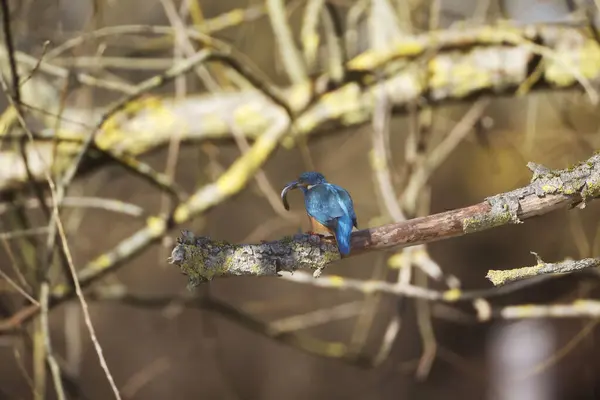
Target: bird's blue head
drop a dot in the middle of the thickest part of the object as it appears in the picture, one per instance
(311, 178)
(305, 181)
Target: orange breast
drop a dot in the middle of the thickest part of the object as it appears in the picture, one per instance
(319, 228)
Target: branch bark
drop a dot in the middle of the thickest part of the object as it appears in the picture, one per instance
(202, 259)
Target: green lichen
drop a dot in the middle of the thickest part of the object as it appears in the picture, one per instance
(255, 269)
(591, 189)
(286, 240)
(228, 261)
(501, 277)
(488, 220)
(193, 265)
(330, 256)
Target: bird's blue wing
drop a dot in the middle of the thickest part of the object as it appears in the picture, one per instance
(346, 203)
(322, 204)
(327, 202)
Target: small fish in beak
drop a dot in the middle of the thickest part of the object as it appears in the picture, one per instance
(284, 192)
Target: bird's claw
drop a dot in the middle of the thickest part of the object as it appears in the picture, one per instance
(325, 238)
(311, 233)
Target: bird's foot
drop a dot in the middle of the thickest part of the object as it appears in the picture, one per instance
(311, 233)
(325, 238)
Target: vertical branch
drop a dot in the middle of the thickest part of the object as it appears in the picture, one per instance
(353, 29)
(380, 164)
(438, 155)
(308, 34)
(365, 318)
(39, 348)
(292, 61)
(180, 90)
(290, 55)
(15, 103)
(86, 313)
(39, 361)
(379, 157)
(423, 307)
(383, 24)
(336, 54)
(45, 330)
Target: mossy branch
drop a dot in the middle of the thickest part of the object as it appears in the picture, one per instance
(502, 277)
(203, 259)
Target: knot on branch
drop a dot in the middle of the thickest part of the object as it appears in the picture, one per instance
(202, 259)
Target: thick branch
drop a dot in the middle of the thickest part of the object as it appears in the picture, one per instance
(203, 259)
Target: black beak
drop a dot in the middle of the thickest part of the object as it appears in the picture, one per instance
(286, 189)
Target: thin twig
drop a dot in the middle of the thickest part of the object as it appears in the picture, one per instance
(18, 288)
(113, 205)
(501, 277)
(54, 368)
(315, 318)
(84, 307)
(582, 308)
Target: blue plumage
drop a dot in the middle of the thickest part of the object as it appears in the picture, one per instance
(329, 205)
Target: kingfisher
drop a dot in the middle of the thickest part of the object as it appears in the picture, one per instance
(329, 208)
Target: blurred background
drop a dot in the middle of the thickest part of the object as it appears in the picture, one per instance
(174, 350)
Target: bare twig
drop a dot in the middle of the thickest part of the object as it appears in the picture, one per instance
(86, 314)
(577, 309)
(209, 26)
(6, 25)
(380, 164)
(54, 368)
(113, 205)
(501, 277)
(18, 288)
(315, 318)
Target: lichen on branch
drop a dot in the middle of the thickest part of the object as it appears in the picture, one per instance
(203, 259)
(502, 277)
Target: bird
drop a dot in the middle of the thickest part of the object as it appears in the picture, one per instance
(329, 207)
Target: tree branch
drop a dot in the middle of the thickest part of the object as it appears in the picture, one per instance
(201, 258)
(502, 277)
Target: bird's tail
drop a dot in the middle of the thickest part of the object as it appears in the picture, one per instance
(343, 231)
